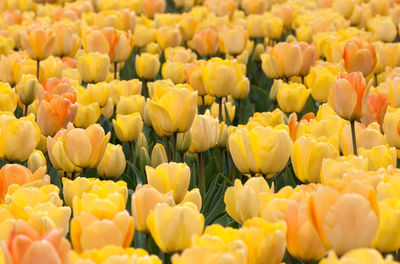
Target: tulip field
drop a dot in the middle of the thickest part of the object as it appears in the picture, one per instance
(199, 131)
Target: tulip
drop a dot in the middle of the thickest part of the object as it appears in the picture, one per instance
(11, 174)
(302, 239)
(172, 111)
(152, 7)
(93, 67)
(187, 24)
(175, 71)
(8, 98)
(160, 84)
(255, 23)
(346, 220)
(38, 42)
(180, 54)
(183, 141)
(27, 246)
(89, 232)
(147, 65)
(265, 241)
(67, 43)
(271, 119)
(391, 127)
(243, 202)
(205, 42)
(18, 137)
(252, 153)
(49, 68)
(292, 97)
(113, 163)
(36, 160)
(283, 60)
(308, 154)
(132, 104)
(168, 177)
(144, 200)
(144, 35)
(120, 89)
(254, 7)
(27, 89)
(383, 28)
(376, 109)
(361, 255)
(124, 19)
(381, 156)
(221, 7)
(309, 55)
(87, 115)
(222, 77)
(183, 221)
(128, 127)
(336, 168)
(158, 155)
(168, 37)
(388, 55)
(359, 57)
(205, 133)
(233, 41)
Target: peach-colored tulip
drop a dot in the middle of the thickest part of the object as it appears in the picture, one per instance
(205, 42)
(310, 55)
(221, 7)
(152, 7)
(359, 57)
(38, 42)
(194, 77)
(67, 43)
(376, 109)
(348, 95)
(26, 246)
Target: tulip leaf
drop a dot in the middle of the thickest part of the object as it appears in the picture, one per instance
(128, 71)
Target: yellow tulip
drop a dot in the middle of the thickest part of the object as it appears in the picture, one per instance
(205, 133)
(183, 141)
(180, 54)
(227, 107)
(144, 200)
(89, 232)
(67, 43)
(38, 42)
(168, 177)
(320, 79)
(383, 28)
(332, 169)
(388, 55)
(131, 104)
(292, 97)
(262, 150)
(36, 160)
(113, 163)
(255, 23)
(265, 241)
(345, 220)
(98, 93)
(173, 227)
(308, 154)
(49, 68)
(158, 155)
(222, 77)
(8, 98)
(147, 65)
(175, 71)
(168, 37)
(159, 84)
(381, 156)
(172, 110)
(243, 202)
(119, 89)
(93, 67)
(194, 77)
(205, 41)
(361, 255)
(386, 239)
(128, 127)
(87, 115)
(233, 40)
(144, 35)
(271, 119)
(391, 126)
(18, 137)
(27, 89)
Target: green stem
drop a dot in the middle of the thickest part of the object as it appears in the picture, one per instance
(220, 109)
(174, 147)
(353, 135)
(131, 151)
(240, 111)
(37, 69)
(202, 180)
(115, 70)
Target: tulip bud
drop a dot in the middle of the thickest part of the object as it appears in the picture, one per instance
(128, 127)
(274, 90)
(175, 71)
(8, 98)
(183, 141)
(292, 97)
(205, 133)
(147, 65)
(108, 110)
(144, 159)
(141, 142)
(158, 155)
(36, 160)
(113, 163)
(27, 88)
(93, 67)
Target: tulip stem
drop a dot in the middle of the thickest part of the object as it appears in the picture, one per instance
(25, 110)
(220, 109)
(115, 70)
(240, 111)
(203, 105)
(37, 69)
(83, 172)
(182, 157)
(131, 150)
(147, 242)
(174, 147)
(353, 135)
(202, 180)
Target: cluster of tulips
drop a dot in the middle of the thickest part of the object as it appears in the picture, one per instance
(199, 131)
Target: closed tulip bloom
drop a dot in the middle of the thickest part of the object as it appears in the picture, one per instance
(182, 221)
(252, 153)
(26, 245)
(144, 200)
(87, 115)
(183, 141)
(390, 89)
(131, 104)
(359, 57)
(8, 98)
(17, 174)
(205, 42)
(168, 37)
(205, 133)
(348, 96)
(233, 40)
(96, 92)
(292, 97)
(376, 109)
(113, 163)
(271, 119)
(50, 68)
(391, 127)
(381, 156)
(255, 25)
(93, 67)
(147, 65)
(89, 232)
(172, 110)
(158, 155)
(243, 202)
(388, 55)
(302, 239)
(180, 54)
(282, 60)
(36, 160)
(18, 137)
(345, 220)
(120, 88)
(116, 44)
(383, 27)
(335, 168)
(128, 127)
(27, 89)
(38, 42)
(254, 7)
(124, 19)
(67, 43)
(163, 85)
(307, 157)
(265, 241)
(319, 81)
(360, 255)
(386, 239)
(194, 77)
(221, 7)
(222, 77)
(168, 177)
(175, 71)
(144, 35)
(153, 7)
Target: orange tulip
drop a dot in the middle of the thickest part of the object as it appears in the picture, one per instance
(26, 245)
(18, 174)
(152, 7)
(376, 109)
(310, 55)
(205, 42)
(348, 95)
(38, 42)
(359, 57)
(194, 77)
(294, 124)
